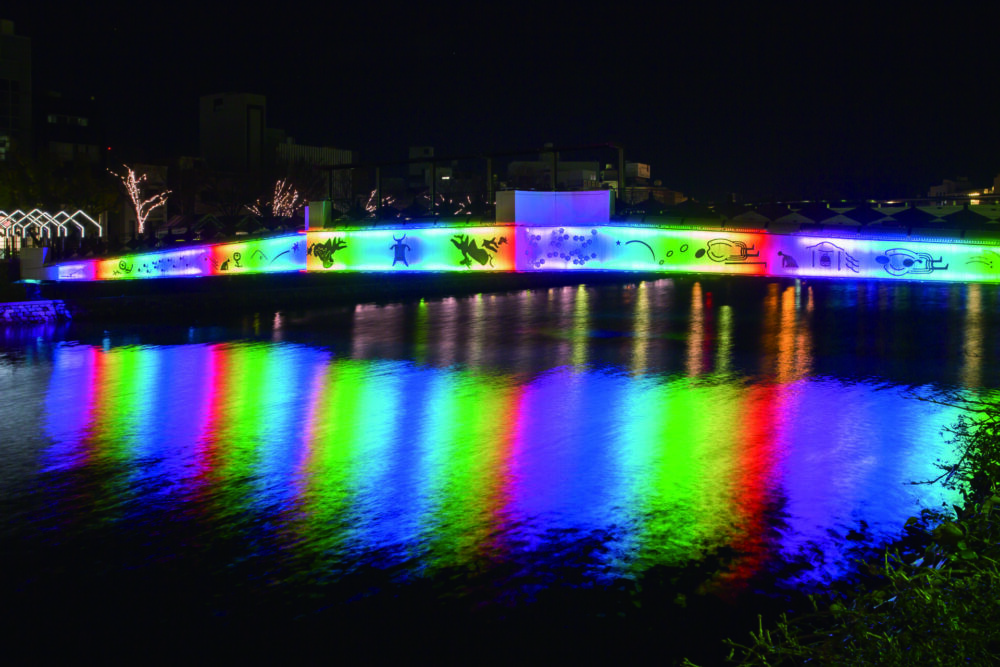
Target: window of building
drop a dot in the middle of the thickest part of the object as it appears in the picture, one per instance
(60, 119)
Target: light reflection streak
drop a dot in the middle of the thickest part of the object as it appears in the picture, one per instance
(696, 332)
(642, 330)
(580, 332)
(794, 358)
(477, 331)
(724, 342)
(448, 326)
(972, 344)
(381, 454)
(70, 404)
(329, 515)
(420, 332)
(377, 330)
(756, 460)
(770, 331)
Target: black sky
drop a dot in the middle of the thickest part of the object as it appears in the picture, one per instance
(818, 101)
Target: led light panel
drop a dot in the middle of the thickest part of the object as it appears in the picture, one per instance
(530, 247)
(413, 249)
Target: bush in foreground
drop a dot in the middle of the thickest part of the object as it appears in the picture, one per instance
(933, 598)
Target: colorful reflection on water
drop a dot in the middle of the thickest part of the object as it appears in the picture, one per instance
(662, 420)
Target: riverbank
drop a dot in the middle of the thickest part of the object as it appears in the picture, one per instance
(34, 312)
(932, 597)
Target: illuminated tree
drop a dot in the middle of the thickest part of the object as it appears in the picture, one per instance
(284, 203)
(371, 206)
(143, 207)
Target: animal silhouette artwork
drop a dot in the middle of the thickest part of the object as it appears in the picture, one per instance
(324, 251)
(787, 261)
(400, 249)
(471, 252)
(237, 256)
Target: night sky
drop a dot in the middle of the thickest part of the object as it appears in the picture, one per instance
(819, 102)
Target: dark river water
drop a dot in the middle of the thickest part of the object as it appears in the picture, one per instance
(354, 476)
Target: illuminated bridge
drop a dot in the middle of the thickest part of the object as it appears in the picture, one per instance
(565, 232)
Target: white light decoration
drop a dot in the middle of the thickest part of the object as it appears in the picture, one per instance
(371, 205)
(143, 207)
(283, 204)
(17, 223)
(286, 200)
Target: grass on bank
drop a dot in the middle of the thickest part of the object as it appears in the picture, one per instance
(933, 598)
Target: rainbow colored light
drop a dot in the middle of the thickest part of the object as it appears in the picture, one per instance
(524, 247)
(454, 461)
(270, 255)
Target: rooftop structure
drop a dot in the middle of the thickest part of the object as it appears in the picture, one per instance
(233, 130)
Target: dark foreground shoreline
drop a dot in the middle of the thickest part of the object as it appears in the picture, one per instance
(98, 595)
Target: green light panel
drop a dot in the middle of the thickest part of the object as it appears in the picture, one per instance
(413, 249)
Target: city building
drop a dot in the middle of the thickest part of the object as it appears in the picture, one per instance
(638, 186)
(69, 129)
(551, 173)
(15, 92)
(233, 131)
(241, 155)
(422, 174)
(956, 186)
(299, 163)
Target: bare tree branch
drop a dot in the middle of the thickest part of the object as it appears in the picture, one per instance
(143, 207)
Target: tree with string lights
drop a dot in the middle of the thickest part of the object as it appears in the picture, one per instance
(284, 203)
(133, 187)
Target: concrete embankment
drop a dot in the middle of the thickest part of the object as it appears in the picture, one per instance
(50, 310)
(193, 300)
